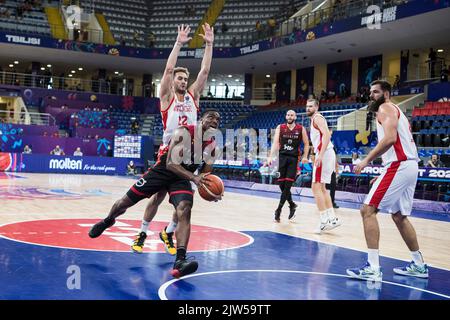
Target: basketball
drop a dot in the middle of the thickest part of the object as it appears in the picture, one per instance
(215, 189)
(5, 161)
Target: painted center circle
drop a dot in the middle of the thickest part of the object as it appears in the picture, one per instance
(73, 234)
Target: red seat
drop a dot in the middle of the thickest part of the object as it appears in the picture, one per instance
(442, 111)
(434, 111)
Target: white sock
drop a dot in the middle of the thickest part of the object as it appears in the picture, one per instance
(323, 216)
(373, 258)
(144, 226)
(331, 213)
(417, 258)
(171, 227)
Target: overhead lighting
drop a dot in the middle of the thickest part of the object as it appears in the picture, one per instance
(49, 66)
(70, 76)
(11, 65)
(243, 84)
(73, 71)
(267, 75)
(42, 68)
(157, 80)
(16, 62)
(237, 80)
(230, 76)
(213, 80)
(81, 69)
(440, 50)
(220, 84)
(116, 72)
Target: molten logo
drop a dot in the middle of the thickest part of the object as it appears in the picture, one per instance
(66, 164)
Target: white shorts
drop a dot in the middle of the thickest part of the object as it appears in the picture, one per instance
(323, 173)
(393, 191)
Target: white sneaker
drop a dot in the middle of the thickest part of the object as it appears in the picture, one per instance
(366, 272)
(332, 223)
(321, 227)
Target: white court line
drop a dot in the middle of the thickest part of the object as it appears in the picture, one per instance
(164, 286)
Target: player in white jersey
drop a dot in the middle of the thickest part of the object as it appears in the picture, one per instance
(393, 191)
(179, 107)
(324, 166)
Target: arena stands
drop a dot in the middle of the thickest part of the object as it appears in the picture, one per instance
(126, 18)
(27, 18)
(269, 120)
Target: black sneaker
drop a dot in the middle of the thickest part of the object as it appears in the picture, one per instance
(335, 206)
(98, 228)
(184, 267)
(277, 215)
(292, 209)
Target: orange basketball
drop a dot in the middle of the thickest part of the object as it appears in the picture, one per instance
(214, 191)
(5, 161)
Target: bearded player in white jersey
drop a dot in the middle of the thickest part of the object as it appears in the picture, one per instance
(393, 191)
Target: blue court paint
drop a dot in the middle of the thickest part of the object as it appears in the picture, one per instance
(343, 204)
(308, 270)
(97, 192)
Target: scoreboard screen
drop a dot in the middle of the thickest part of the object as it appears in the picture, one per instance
(127, 146)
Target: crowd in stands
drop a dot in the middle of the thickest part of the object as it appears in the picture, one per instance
(22, 8)
(88, 118)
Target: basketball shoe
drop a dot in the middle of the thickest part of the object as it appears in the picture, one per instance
(321, 227)
(414, 270)
(184, 267)
(167, 239)
(332, 223)
(277, 215)
(138, 243)
(98, 228)
(366, 272)
(292, 209)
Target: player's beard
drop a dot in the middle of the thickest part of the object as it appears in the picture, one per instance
(290, 121)
(375, 104)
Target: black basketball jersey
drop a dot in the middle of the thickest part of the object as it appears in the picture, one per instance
(290, 140)
(192, 166)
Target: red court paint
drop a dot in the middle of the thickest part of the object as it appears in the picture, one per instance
(73, 234)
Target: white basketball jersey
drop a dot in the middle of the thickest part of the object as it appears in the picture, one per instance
(316, 136)
(404, 147)
(179, 113)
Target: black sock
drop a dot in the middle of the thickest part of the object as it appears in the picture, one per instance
(282, 197)
(181, 253)
(289, 199)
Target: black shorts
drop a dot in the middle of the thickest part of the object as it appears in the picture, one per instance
(158, 179)
(288, 167)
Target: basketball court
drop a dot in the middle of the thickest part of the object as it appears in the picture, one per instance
(242, 254)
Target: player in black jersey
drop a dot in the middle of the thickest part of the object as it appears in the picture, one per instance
(173, 174)
(287, 139)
